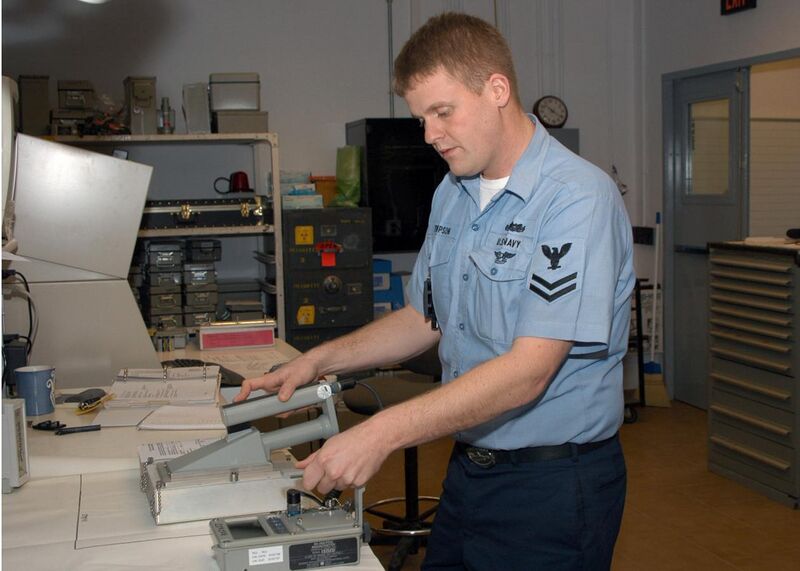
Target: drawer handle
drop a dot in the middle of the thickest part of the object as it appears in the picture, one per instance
(751, 420)
(754, 303)
(739, 326)
(733, 275)
(750, 453)
(751, 290)
(781, 321)
(745, 340)
(772, 393)
(739, 356)
(745, 263)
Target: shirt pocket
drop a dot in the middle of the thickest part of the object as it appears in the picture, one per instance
(441, 271)
(499, 283)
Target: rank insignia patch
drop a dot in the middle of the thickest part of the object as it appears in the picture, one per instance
(556, 270)
(555, 254)
(503, 257)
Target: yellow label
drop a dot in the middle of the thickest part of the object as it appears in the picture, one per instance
(305, 315)
(304, 235)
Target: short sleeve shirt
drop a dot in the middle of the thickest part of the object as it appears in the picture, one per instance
(551, 257)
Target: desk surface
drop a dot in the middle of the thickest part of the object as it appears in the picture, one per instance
(39, 519)
(114, 448)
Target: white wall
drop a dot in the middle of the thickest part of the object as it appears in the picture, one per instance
(325, 62)
(686, 34)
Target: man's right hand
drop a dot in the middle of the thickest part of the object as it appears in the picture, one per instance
(284, 380)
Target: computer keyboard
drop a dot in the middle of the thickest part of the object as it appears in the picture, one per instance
(228, 377)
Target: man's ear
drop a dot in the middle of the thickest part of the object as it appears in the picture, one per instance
(500, 89)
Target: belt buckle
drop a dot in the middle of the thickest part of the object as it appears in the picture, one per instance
(481, 457)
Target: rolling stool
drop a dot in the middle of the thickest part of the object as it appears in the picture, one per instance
(410, 530)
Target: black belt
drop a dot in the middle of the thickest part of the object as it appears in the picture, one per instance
(486, 457)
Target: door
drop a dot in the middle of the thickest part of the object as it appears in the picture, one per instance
(707, 204)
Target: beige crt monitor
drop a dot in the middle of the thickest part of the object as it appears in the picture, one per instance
(77, 217)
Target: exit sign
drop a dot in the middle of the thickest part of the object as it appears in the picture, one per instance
(733, 6)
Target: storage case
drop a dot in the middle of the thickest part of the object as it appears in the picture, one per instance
(77, 95)
(165, 321)
(203, 213)
(240, 122)
(234, 91)
(164, 303)
(140, 101)
(199, 275)
(203, 299)
(199, 319)
(203, 250)
(164, 279)
(164, 256)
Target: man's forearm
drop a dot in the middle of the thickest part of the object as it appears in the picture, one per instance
(392, 339)
(497, 386)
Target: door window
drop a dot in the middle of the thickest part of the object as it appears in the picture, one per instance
(709, 148)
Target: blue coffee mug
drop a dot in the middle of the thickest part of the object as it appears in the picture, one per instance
(37, 385)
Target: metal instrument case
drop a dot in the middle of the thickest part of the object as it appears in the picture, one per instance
(245, 210)
(234, 91)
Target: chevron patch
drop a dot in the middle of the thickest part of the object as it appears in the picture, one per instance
(551, 291)
(557, 267)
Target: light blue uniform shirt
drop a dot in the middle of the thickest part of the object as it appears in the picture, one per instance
(550, 256)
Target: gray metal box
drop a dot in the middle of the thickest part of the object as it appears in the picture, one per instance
(140, 101)
(241, 122)
(78, 94)
(234, 91)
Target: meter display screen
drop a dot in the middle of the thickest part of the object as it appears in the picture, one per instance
(245, 529)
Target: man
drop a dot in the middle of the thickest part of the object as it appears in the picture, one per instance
(528, 261)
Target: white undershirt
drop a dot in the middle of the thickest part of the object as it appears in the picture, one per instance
(490, 187)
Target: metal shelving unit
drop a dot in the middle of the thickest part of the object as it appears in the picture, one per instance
(266, 163)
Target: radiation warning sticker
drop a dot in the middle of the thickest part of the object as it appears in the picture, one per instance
(306, 315)
(304, 235)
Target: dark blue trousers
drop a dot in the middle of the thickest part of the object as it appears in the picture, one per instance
(552, 515)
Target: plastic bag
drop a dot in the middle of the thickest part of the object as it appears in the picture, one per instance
(348, 176)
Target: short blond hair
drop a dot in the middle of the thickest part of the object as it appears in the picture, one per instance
(468, 48)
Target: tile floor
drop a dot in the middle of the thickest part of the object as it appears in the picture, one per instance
(678, 516)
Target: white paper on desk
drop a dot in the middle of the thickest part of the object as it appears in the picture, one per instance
(137, 392)
(123, 416)
(248, 363)
(158, 451)
(192, 417)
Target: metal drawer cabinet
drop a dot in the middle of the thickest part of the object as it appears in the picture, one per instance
(754, 324)
(752, 383)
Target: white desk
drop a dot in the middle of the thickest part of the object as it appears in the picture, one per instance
(39, 519)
